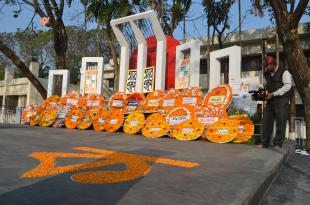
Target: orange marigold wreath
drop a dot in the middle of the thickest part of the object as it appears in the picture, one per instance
(71, 98)
(245, 128)
(114, 121)
(51, 101)
(28, 112)
(36, 117)
(86, 121)
(223, 131)
(221, 95)
(169, 101)
(73, 118)
(210, 114)
(190, 96)
(134, 122)
(95, 102)
(153, 101)
(48, 118)
(117, 101)
(155, 126)
(180, 114)
(134, 101)
(188, 130)
(99, 119)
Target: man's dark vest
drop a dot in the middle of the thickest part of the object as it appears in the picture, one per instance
(275, 82)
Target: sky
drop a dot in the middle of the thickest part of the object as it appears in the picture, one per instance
(74, 16)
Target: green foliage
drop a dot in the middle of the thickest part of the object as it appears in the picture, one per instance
(173, 13)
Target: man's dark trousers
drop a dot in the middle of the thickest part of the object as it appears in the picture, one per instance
(277, 108)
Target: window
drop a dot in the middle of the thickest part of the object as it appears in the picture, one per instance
(203, 66)
(251, 63)
(111, 83)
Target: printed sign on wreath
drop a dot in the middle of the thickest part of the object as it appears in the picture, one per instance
(148, 79)
(131, 81)
(183, 76)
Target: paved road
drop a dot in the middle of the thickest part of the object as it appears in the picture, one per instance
(226, 173)
(292, 186)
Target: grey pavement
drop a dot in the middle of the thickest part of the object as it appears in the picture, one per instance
(292, 185)
(227, 173)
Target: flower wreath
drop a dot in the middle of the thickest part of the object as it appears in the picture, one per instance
(155, 126)
(188, 130)
(134, 122)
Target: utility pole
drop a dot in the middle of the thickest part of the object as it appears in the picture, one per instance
(239, 11)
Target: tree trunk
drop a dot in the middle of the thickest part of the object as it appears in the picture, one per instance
(307, 114)
(108, 35)
(60, 46)
(22, 66)
(299, 67)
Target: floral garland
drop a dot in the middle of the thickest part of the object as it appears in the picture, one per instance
(221, 95)
(189, 130)
(154, 101)
(99, 119)
(117, 101)
(73, 118)
(134, 101)
(223, 131)
(245, 128)
(155, 126)
(62, 112)
(86, 121)
(134, 122)
(49, 118)
(180, 114)
(114, 121)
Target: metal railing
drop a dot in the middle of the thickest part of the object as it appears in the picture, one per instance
(10, 114)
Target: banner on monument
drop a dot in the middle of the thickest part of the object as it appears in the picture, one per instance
(90, 81)
(131, 81)
(183, 76)
(148, 79)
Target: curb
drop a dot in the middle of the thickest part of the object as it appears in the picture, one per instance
(258, 194)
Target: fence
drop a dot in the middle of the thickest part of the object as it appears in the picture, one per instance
(10, 114)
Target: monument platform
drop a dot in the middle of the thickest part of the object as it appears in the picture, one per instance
(159, 171)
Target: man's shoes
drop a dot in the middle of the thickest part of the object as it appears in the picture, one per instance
(277, 148)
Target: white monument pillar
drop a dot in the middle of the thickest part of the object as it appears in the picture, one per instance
(142, 51)
(65, 81)
(214, 74)
(91, 81)
(194, 48)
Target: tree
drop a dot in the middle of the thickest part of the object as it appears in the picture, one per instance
(24, 68)
(170, 13)
(103, 11)
(287, 15)
(51, 16)
(218, 18)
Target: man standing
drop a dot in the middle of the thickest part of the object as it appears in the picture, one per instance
(279, 88)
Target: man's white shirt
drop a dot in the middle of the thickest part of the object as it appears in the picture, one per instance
(287, 83)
